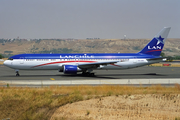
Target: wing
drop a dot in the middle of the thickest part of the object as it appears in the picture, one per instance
(95, 64)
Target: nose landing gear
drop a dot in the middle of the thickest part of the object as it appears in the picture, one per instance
(17, 73)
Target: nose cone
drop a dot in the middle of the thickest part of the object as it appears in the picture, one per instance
(7, 63)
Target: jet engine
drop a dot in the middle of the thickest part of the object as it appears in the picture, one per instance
(71, 69)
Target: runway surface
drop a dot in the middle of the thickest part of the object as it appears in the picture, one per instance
(142, 75)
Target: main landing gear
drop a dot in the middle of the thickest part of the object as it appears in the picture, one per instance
(89, 73)
(17, 73)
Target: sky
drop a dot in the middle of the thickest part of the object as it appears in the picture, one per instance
(81, 19)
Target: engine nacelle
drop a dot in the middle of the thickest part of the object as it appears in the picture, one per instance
(70, 69)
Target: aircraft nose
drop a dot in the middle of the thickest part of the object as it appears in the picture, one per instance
(6, 63)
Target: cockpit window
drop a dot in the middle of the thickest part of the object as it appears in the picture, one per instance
(10, 58)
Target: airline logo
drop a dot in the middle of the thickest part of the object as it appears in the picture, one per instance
(160, 40)
(154, 47)
(77, 56)
(157, 46)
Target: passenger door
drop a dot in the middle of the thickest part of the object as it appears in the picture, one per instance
(21, 60)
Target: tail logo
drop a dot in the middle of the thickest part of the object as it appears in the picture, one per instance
(160, 40)
(157, 46)
(154, 47)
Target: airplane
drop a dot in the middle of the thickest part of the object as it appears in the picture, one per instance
(72, 63)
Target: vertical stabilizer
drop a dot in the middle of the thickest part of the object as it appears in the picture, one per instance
(155, 46)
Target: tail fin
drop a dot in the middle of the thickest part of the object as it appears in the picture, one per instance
(155, 46)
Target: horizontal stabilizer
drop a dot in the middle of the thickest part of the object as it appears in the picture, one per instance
(153, 59)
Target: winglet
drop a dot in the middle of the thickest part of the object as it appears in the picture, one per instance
(155, 46)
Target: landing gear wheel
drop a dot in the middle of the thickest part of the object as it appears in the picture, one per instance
(91, 74)
(84, 73)
(88, 74)
(17, 73)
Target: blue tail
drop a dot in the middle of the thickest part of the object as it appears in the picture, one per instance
(155, 46)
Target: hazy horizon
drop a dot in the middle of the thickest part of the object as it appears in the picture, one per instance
(81, 19)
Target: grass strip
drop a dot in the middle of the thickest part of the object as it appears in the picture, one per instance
(40, 103)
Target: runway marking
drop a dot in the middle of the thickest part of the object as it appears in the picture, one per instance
(52, 78)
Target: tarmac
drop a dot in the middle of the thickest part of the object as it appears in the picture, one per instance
(142, 76)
